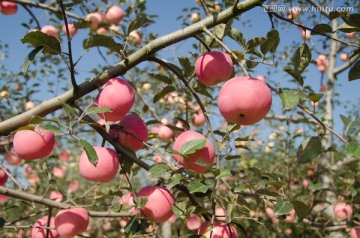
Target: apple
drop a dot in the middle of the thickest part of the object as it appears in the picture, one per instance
(322, 87)
(106, 168)
(3, 198)
(172, 219)
(117, 95)
(344, 57)
(355, 232)
(33, 144)
(95, 18)
(350, 35)
(65, 155)
(114, 29)
(220, 214)
(294, 12)
(193, 222)
(270, 213)
(29, 105)
(8, 8)
(114, 15)
(195, 17)
(216, 8)
(219, 230)
(290, 216)
(305, 183)
(146, 86)
(134, 38)
(165, 133)
(74, 185)
(261, 77)
(72, 29)
(206, 154)
(159, 203)
(41, 232)
(213, 67)
(56, 196)
(343, 211)
(70, 222)
(101, 31)
(243, 100)
(13, 159)
(3, 176)
(157, 159)
(198, 119)
(59, 171)
(50, 30)
(127, 200)
(4, 94)
(288, 232)
(305, 34)
(137, 128)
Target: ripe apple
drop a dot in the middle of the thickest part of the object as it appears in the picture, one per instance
(206, 154)
(350, 35)
(343, 211)
(355, 232)
(29, 105)
(106, 168)
(36, 144)
(101, 31)
(159, 203)
(72, 29)
(213, 67)
(56, 196)
(3, 198)
(305, 34)
(127, 200)
(344, 57)
(193, 222)
(95, 18)
(243, 100)
(70, 222)
(220, 214)
(219, 230)
(59, 171)
(195, 17)
(290, 216)
(198, 119)
(13, 159)
(134, 38)
(74, 185)
(118, 95)
(64, 155)
(165, 133)
(137, 128)
(4, 94)
(114, 15)
(8, 8)
(50, 30)
(41, 232)
(3, 176)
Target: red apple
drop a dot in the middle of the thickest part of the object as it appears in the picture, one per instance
(127, 200)
(243, 100)
(72, 29)
(29, 105)
(106, 168)
(343, 211)
(195, 17)
(115, 14)
(74, 185)
(137, 128)
(219, 230)
(59, 171)
(193, 222)
(13, 159)
(3, 198)
(213, 67)
(95, 18)
(159, 203)
(64, 155)
(134, 38)
(198, 119)
(117, 95)
(8, 8)
(56, 196)
(206, 154)
(350, 35)
(3, 176)
(165, 133)
(220, 214)
(157, 159)
(41, 232)
(50, 30)
(36, 144)
(305, 34)
(355, 232)
(71, 222)
(290, 216)
(344, 57)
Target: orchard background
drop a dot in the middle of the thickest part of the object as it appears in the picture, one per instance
(293, 174)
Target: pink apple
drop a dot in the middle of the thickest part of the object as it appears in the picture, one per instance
(198, 119)
(59, 171)
(72, 29)
(288, 231)
(159, 203)
(355, 232)
(36, 144)
(243, 100)
(305, 34)
(134, 38)
(95, 18)
(50, 30)
(115, 14)
(213, 67)
(305, 183)
(3, 198)
(350, 35)
(71, 222)
(117, 95)
(64, 155)
(172, 219)
(219, 230)
(106, 168)
(193, 222)
(74, 185)
(344, 57)
(127, 200)
(290, 216)
(101, 31)
(130, 132)
(261, 77)
(165, 133)
(157, 159)
(220, 214)
(56, 196)
(195, 17)
(3, 176)
(13, 159)
(206, 154)
(8, 8)
(41, 232)
(29, 105)
(343, 211)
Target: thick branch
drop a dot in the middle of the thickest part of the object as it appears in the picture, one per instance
(51, 105)
(347, 65)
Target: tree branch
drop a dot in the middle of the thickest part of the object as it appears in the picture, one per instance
(347, 65)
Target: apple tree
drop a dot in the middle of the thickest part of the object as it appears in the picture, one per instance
(242, 130)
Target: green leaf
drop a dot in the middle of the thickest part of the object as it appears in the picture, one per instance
(140, 202)
(132, 226)
(82, 25)
(220, 30)
(347, 28)
(90, 152)
(221, 173)
(309, 150)
(253, 43)
(236, 35)
(161, 170)
(353, 149)
(354, 72)
(302, 58)
(290, 70)
(69, 110)
(96, 110)
(163, 92)
(39, 39)
(179, 208)
(266, 192)
(174, 180)
(271, 43)
(192, 146)
(197, 187)
(31, 128)
(103, 41)
(277, 184)
(352, 19)
(315, 186)
(51, 128)
(301, 209)
(30, 58)
(162, 78)
(202, 89)
(289, 98)
(281, 207)
(321, 28)
(137, 23)
(38, 120)
(187, 67)
(2, 222)
(315, 97)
